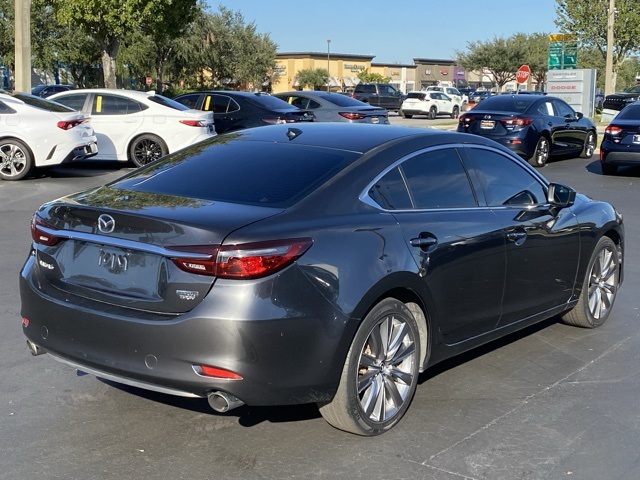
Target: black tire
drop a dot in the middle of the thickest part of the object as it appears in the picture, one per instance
(406, 115)
(609, 169)
(16, 160)
(145, 149)
(541, 153)
(589, 145)
(456, 112)
(433, 111)
(599, 289)
(380, 373)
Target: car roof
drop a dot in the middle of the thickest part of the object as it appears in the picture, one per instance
(118, 91)
(356, 137)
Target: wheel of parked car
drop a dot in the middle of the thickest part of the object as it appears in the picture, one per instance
(599, 288)
(609, 169)
(455, 113)
(589, 145)
(541, 153)
(145, 149)
(16, 160)
(406, 115)
(433, 111)
(380, 373)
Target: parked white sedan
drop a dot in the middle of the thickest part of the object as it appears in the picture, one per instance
(430, 103)
(35, 132)
(138, 126)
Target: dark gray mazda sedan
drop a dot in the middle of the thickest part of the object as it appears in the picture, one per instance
(321, 263)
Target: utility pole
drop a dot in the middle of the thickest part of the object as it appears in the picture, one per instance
(23, 46)
(608, 69)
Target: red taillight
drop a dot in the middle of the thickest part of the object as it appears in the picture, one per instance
(517, 122)
(352, 115)
(64, 125)
(194, 123)
(250, 260)
(217, 372)
(465, 119)
(39, 235)
(613, 130)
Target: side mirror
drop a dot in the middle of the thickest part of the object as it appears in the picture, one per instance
(560, 196)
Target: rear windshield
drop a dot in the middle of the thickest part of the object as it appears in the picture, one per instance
(631, 112)
(167, 102)
(341, 100)
(42, 103)
(508, 103)
(247, 172)
(268, 101)
(418, 95)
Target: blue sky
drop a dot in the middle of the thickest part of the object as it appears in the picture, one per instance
(395, 32)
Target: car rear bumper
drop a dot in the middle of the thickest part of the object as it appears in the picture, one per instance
(284, 355)
(617, 154)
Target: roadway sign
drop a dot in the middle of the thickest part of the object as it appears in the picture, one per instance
(522, 75)
(563, 51)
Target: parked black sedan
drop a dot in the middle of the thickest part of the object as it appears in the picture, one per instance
(239, 110)
(335, 107)
(621, 143)
(322, 263)
(533, 126)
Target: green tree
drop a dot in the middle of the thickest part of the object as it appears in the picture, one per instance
(108, 22)
(314, 78)
(588, 20)
(501, 56)
(366, 77)
(7, 35)
(234, 52)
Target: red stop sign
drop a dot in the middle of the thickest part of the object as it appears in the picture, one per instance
(523, 74)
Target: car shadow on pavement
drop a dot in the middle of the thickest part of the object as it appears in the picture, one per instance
(632, 171)
(80, 169)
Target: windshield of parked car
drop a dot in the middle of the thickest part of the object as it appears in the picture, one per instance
(507, 103)
(341, 100)
(42, 103)
(248, 172)
(167, 102)
(633, 89)
(270, 102)
(631, 112)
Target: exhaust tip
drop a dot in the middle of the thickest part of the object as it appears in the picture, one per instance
(222, 402)
(35, 349)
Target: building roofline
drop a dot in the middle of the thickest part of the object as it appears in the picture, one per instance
(396, 65)
(323, 55)
(432, 61)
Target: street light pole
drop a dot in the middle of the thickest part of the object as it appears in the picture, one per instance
(329, 64)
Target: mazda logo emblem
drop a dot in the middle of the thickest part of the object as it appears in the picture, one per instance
(106, 223)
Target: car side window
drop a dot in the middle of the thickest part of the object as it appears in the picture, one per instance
(75, 101)
(564, 110)
(390, 192)
(299, 102)
(190, 101)
(217, 104)
(437, 179)
(5, 108)
(505, 182)
(114, 105)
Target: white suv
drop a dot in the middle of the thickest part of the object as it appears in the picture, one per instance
(429, 103)
(452, 92)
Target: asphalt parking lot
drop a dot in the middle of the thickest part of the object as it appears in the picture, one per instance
(552, 402)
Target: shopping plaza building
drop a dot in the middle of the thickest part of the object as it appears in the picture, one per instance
(344, 68)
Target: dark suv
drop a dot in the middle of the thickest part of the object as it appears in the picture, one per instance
(379, 95)
(48, 90)
(619, 100)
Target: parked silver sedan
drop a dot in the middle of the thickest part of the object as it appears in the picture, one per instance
(335, 107)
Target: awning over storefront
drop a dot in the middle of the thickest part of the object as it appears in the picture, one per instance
(350, 81)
